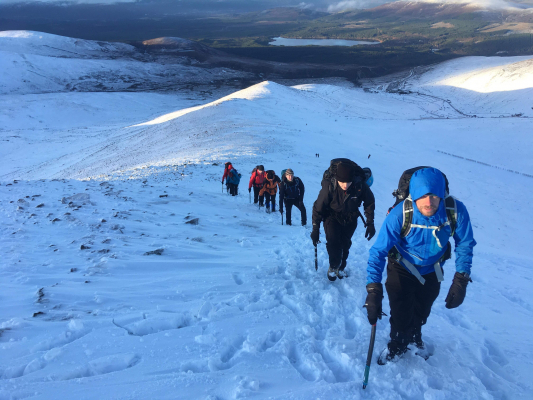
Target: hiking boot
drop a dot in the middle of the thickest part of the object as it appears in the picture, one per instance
(342, 274)
(273, 208)
(392, 352)
(417, 339)
(421, 348)
(267, 208)
(332, 274)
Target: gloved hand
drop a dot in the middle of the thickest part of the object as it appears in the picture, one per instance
(373, 302)
(315, 235)
(249, 190)
(457, 292)
(301, 204)
(281, 209)
(370, 231)
(222, 181)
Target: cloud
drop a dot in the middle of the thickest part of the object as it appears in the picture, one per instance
(355, 5)
(345, 5)
(303, 5)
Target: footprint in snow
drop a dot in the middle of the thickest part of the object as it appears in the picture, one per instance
(237, 278)
(101, 366)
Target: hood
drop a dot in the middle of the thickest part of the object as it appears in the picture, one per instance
(427, 180)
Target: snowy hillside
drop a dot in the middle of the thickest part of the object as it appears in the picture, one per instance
(232, 306)
(474, 86)
(34, 62)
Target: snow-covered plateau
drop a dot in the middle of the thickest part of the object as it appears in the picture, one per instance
(127, 272)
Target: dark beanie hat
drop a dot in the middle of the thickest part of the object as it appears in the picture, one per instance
(344, 173)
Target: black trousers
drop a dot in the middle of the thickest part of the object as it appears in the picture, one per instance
(270, 199)
(288, 207)
(232, 188)
(338, 241)
(258, 198)
(410, 301)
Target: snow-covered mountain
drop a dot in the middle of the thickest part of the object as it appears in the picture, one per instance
(233, 307)
(34, 62)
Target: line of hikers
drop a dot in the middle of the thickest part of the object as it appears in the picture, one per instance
(265, 185)
(413, 241)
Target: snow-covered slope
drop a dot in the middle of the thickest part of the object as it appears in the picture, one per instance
(233, 307)
(474, 86)
(483, 86)
(33, 62)
(48, 45)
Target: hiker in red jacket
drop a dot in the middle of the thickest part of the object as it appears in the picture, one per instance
(257, 180)
(230, 175)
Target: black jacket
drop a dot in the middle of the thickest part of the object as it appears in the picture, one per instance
(291, 190)
(343, 206)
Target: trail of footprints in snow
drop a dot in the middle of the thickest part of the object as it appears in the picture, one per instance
(54, 347)
(310, 357)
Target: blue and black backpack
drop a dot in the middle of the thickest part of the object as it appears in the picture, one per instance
(234, 177)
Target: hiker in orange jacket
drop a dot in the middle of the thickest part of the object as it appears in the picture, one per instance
(269, 190)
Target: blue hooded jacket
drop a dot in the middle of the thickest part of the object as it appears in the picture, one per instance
(420, 246)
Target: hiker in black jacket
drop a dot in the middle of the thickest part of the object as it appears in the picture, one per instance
(291, 192)
(337, 205)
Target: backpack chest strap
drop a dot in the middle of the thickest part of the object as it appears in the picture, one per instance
(395, 254)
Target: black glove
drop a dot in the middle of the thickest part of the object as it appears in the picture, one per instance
(249, 190)
(281, 210)
(315, 235)
(370, 231)
(457, 292)
(373, 302)
(301, 204)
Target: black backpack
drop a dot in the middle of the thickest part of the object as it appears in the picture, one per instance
(331, 172)
(402, 194)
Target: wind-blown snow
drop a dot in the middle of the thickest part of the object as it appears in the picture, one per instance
(233, 307)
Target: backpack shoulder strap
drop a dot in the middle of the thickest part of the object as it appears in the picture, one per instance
(407, 216)
(451, 212)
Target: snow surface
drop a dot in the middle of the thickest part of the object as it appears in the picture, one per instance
(34, 63)
(233, 307)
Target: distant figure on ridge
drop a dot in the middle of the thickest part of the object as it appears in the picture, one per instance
(269, 190)
(291, 193)
(257, 180)
(415, 239)
(232, 178)
(344, 188)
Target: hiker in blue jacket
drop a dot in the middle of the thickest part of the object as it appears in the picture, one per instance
(416, 254)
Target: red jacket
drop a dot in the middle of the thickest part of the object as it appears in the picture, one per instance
(227, 172)
(257, 179)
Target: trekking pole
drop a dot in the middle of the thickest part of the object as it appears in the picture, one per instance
(222, 187)
(316, 258)
(369, 356)
(282, 218)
